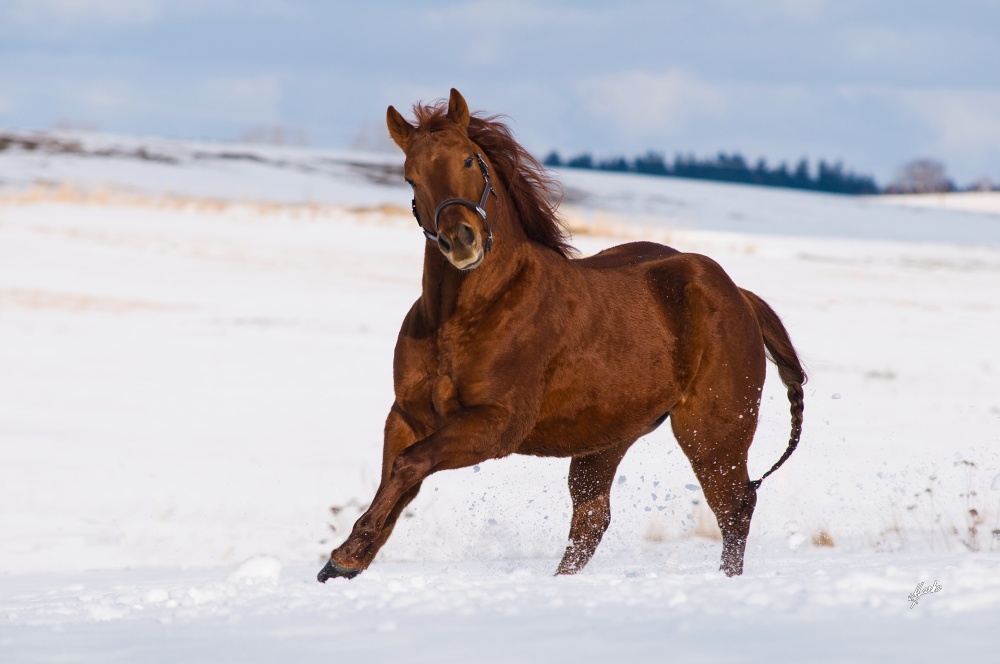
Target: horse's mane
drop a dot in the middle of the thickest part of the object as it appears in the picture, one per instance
(534, 193)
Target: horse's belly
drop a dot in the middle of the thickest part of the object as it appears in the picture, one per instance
(613, 388)
(589, 420)
(590, 432)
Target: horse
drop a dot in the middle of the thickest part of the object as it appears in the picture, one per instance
(516, 346)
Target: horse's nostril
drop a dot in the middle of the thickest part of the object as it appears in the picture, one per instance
(445, 245)
(466, 236)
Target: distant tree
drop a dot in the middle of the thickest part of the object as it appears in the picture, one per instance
(684, 166)
(921, 176)
(553, 160)
(779, 177)
(801, 177)
(830, 178)
(732, 168)
(582, 161)
(614, 164)
(651, 163)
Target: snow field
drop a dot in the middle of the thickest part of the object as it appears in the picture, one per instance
(187, 387)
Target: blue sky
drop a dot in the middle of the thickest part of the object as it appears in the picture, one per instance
(871, 83)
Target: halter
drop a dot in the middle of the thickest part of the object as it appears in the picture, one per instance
(479, 208)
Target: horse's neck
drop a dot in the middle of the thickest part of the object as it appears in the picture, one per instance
(447, 290)
(441, 286)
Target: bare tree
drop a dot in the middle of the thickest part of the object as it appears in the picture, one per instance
(921, 176)
(984, 184)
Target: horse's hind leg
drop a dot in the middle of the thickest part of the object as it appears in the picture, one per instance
(716, 443)
(590, 479)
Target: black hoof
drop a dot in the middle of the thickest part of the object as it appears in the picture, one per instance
(332, 570)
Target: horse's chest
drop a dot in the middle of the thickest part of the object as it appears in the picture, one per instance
(433, 396)
(444, 396)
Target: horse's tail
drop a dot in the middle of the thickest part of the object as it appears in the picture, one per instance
(780, 351)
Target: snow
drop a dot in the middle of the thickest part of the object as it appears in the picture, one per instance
(510, 611)
(259, 569)
(195, 366)
(975, 201)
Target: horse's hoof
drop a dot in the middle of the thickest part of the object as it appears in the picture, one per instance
(332, 570)
(732, 570)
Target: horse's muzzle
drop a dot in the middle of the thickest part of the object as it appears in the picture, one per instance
(461, 246)
(470, 266)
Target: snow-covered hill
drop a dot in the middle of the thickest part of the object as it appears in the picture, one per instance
(235, 172)
(195, 365)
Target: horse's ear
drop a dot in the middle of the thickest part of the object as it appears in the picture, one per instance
(400, 130)
(458, 110)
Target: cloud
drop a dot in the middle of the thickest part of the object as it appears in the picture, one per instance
(802, 11)
(963, 125)
(809, 11)
(882, 46)
(273, 9)
(643, 102)
(148, 98)
(490, 34)
(962, 119)
(70, 12)
(105, 95)
(499, 17)
(241, 98)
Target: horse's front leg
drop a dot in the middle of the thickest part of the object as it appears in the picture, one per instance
(470, 436)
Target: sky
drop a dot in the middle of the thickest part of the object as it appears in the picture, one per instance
(871, 84)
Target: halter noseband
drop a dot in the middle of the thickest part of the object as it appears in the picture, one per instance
(479, 208)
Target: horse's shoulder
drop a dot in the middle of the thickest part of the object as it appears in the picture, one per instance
(415, 323)
(632, 253)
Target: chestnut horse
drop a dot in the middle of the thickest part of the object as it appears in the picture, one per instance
(515, 347)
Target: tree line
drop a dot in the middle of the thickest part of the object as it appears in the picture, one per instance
(825, 177)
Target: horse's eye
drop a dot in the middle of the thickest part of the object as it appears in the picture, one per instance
(409, 182)
(468, 162)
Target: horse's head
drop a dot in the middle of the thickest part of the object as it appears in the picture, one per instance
(451, 183)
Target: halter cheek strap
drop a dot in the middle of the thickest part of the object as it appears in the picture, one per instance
(479, 208)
